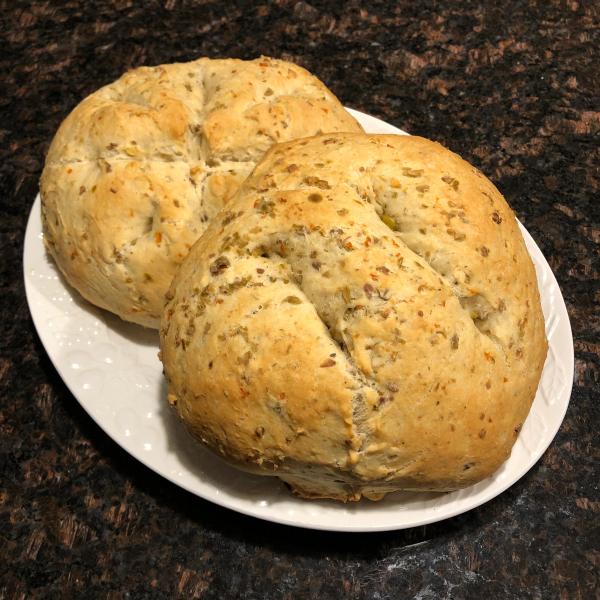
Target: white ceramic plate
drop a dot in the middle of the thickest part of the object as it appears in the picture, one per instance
(112, 368)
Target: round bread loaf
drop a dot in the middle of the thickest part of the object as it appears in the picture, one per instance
(363, 318)
(138, 168)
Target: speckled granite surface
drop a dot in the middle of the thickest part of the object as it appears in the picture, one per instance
(514, 89)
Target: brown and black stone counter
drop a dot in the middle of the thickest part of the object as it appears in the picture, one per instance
(513, 87)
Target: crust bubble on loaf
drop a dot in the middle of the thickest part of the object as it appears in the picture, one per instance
(139, 168)
(363, 317)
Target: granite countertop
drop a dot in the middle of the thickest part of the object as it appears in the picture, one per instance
(514, 89)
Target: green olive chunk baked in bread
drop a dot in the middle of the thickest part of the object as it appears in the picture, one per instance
(362, 318)
(138, 169)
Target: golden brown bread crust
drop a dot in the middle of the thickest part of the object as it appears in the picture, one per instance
(138, 168)
(364, 317)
